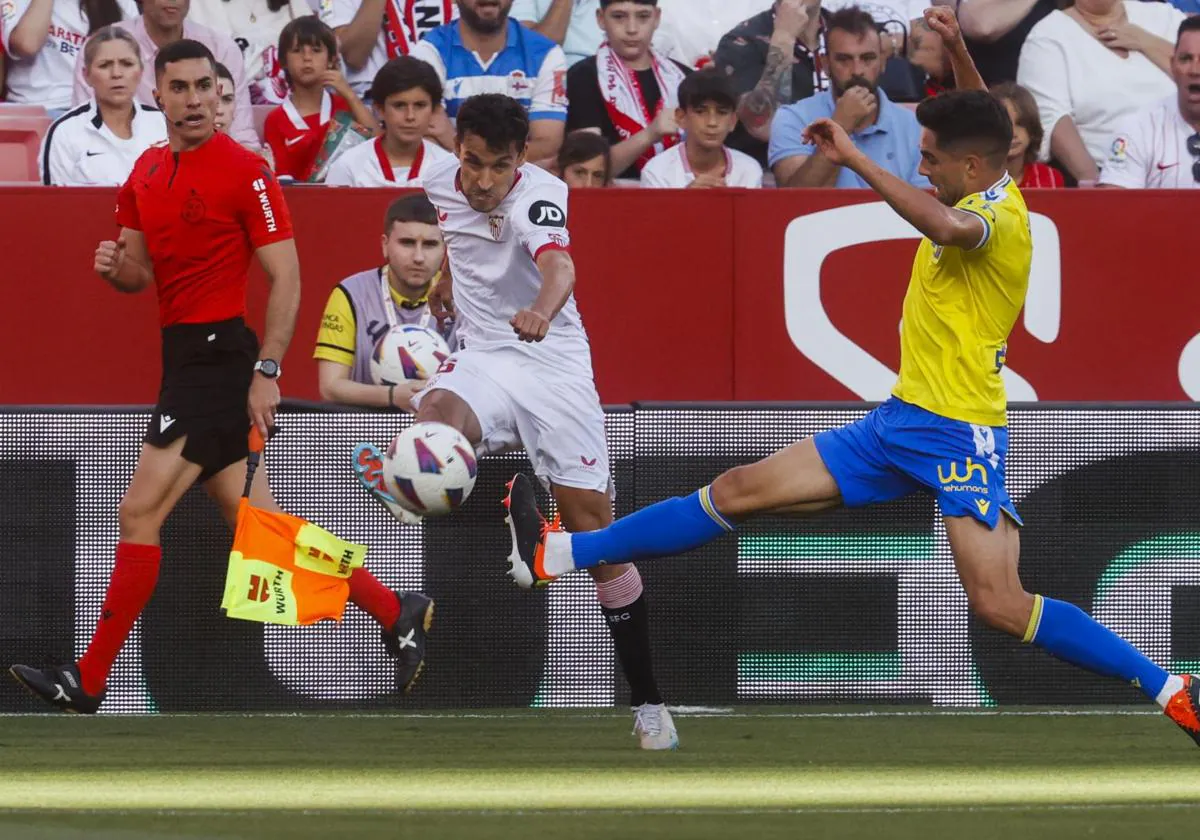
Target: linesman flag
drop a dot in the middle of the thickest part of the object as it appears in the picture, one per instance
(283, 569)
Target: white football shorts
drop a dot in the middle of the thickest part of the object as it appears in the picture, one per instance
(521, 400)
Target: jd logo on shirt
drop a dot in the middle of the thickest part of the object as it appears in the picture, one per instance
(547, 214)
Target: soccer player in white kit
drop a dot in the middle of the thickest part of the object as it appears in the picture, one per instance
(521, 374)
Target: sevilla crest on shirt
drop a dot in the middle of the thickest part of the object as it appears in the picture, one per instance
(496, 223)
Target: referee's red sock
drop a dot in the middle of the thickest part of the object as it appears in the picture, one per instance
(371, 596)
(129, 590)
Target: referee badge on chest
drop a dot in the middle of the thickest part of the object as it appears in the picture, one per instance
(937, 253)
(193, 209)
(496, 223)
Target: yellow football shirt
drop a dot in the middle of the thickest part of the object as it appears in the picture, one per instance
(960, 307)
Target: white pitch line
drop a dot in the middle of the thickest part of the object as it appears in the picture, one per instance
(629, 812)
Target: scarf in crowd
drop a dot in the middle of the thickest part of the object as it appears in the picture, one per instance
(626, 102)
(402, 28)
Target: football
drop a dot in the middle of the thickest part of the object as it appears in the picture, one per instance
(430, 469)
(407, 353)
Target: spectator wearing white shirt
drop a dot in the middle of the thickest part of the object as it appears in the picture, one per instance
(569, 23)
(691, 29)
(995, 31)
(585, 160)
(42, 39)
(1158, 147)
(1090, 65)
(164, 22)
(254, 25)
(707, 114)
(372, 32)
(406, 95)
(98, 143)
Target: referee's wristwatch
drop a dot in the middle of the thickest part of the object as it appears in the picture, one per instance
(268, 368)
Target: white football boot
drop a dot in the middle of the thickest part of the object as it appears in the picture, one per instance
(368, 468)
(654, 727)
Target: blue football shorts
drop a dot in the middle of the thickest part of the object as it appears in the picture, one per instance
(900, 449)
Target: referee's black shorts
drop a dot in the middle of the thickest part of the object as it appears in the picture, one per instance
(207, 370)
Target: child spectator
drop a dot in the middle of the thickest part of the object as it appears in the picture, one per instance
(707, 115)
(296, 129)
(1027, 139)
(256, 27)
(585, 160)
(628, 90)
(406, 95)
(226, 99)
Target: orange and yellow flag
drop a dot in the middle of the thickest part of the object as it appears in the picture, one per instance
(284, 570)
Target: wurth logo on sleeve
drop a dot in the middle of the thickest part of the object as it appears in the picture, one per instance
(260, 187)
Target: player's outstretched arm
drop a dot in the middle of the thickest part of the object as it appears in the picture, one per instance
(125, 263)
(558, 281)
(943, 225)
(944, 21)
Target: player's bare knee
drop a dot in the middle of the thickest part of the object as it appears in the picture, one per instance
(1006, 611)
(139, 519)
(734, 492)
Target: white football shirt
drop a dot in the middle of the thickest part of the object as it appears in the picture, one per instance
(80, 151)
(493, 262)
(671, 170)
(47, 78)
(1150, 150)
(367, 165)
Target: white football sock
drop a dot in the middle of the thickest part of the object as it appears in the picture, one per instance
(1173, 684)
(558, 559)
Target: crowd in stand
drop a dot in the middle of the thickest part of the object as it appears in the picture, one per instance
(673, 93)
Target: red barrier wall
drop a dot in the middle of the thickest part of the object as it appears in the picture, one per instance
(687, 296)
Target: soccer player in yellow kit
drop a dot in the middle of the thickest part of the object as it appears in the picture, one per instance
(943, 431)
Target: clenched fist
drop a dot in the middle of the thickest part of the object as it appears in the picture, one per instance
(530, 326)
(943, 21)
(110, 256)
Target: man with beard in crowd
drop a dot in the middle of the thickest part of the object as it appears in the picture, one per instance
(486, 51)
(887, 133)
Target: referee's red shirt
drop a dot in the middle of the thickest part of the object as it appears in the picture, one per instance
(204, 213)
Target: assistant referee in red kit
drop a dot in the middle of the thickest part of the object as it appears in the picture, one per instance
(192, 214)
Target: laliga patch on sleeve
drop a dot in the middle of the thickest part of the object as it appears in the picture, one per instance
(547, 214)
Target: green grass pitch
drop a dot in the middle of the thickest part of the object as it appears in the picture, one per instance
(750, 774)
